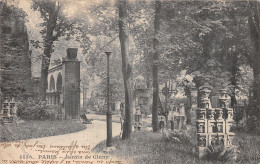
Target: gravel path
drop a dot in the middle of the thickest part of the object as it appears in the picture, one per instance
(92, 135)
(85, 140)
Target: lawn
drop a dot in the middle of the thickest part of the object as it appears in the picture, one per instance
(38, 129)
(148, 147)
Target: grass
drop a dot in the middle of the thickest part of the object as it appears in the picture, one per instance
(248, 147)
(38, 129)
(148, 147)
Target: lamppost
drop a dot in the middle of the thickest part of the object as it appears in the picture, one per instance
(109, 115)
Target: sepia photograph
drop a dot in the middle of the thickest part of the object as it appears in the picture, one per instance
(129, 81)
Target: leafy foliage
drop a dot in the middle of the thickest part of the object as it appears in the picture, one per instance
(207, 39)
(178, 137)
(36, 110)
(55, 25)
(220, 153)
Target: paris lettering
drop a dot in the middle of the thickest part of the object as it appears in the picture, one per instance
(47, 156)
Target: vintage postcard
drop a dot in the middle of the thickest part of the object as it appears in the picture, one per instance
(129, 81)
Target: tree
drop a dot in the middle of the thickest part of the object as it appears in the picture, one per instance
(126, 67)
(254, 27)
(141, 30)
(54, 26)
(155, 124)
(15, 66)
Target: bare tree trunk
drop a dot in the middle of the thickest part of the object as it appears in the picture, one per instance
(48, 43)
(233, 80)
(44, 73)
(234, 70)
(155, 123)
(189, 104)
(126, 67)
(254, 26)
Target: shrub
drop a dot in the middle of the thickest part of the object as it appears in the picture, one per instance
(183, 137)
(167, 136)
(174, 136)
(220, 153)
(36, 110)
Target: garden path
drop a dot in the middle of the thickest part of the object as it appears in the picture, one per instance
(36, 148)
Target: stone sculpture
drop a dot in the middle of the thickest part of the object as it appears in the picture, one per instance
(214, 124)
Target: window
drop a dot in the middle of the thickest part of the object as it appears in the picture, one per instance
(59, 83)
(52, 84)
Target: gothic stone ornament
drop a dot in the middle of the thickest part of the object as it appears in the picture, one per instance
(211, 127)
(223, 93)
(201, 140)
(211, 114)
(223, 102)
(219, 127)
(223, 99)
(228, 127)
(205, 91)
(219, 113)
(216, 139)
(221, 140)
(213, 140)
(229, 113)
(200, 127)
(205, 103)
(201, 114)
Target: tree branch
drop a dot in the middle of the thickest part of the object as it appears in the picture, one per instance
(61, 31)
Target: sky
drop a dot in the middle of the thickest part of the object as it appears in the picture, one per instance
(72, 9)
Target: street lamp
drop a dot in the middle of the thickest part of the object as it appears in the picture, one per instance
(109, 114)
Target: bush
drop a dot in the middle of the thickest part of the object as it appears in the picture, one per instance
(220, 153)
(36, 110)
(175, 136)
